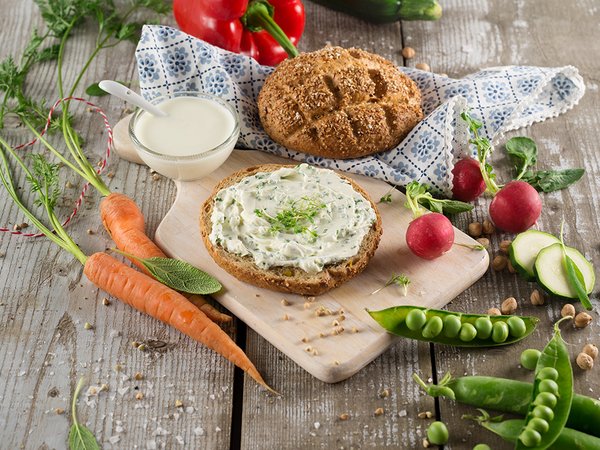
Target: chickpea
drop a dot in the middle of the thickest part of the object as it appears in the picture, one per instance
(585, 361)
(509, 306)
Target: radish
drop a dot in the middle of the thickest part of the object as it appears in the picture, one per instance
(468, 183)
(430, 236)
(516, 207)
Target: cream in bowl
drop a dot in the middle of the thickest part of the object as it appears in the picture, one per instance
(194, 139)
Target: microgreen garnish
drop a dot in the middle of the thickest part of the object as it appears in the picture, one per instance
(484, 150)
(80, 437)
(418, 195)
(297, 218)
(477, 247)
(574, 275)
(399, 280)
(178, 274)
(387, 198)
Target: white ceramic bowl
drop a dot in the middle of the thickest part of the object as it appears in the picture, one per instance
(189, 167)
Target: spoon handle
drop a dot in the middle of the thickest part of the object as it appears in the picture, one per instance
(124, 93)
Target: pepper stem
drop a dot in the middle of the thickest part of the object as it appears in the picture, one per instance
(259, 16)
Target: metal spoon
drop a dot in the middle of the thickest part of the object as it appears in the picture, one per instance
(124, 93)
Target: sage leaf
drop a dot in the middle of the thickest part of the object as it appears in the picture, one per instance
(181, 276)
(81, 438)
(553, 180)
(522, 152)
(94, 90)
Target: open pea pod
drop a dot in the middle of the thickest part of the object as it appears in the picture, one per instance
(454, 328)
(551, 398)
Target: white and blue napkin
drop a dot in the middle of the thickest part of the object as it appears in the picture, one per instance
(503, 98)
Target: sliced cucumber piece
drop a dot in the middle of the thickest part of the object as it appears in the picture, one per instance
(525, 248)
(551, 274)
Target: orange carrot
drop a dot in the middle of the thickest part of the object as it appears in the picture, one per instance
(146, 294)
(125, 223)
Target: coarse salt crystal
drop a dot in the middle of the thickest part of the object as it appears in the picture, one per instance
(402, 413)
(317, 425)
(119, 429)
(114, 439)
(217, 429)
(199, 431)
(161, 432)
(189, 409)
(122, 391)
(211, 396)
(180, 440)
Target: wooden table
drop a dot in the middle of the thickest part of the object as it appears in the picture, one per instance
(45, 300)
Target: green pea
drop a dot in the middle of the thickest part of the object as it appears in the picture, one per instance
(452, 326)
(529, 358)
(548, 373)
(548, 386)
(437, 433)
(539, 425)
(415, 319)
(546, 399)
(516, 326)
(499, 332)
(543, 412)
(433, 327)
(530, 438)
(467, 332)
(482, 447)
(484, 327)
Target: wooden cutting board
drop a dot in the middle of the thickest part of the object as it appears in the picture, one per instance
(343, 339)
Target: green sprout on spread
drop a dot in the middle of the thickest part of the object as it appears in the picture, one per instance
(297, 218)
(400, 280)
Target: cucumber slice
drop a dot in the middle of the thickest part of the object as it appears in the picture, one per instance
(551, 274)
(525, 248)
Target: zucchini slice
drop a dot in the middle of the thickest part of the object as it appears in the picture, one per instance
(525, 248)
(551, 274)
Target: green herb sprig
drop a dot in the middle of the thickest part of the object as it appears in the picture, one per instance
(574, 275)
(297, 218)
(399, 280)
(80, 437)
(523, 153)
(418, 195)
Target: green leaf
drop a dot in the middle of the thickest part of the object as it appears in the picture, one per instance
(553, 180)
(522, 152)
(94, 90)
(181, 276)
(445, 206)
(81, 438)
(48, 53)
(574, 275)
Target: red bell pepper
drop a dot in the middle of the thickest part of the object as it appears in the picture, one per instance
(264, 30)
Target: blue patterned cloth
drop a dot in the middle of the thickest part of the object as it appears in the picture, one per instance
(503, 98)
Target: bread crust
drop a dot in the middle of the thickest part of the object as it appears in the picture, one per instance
(339, 103)
(287, 279)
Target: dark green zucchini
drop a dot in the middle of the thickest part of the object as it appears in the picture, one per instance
(381, 11)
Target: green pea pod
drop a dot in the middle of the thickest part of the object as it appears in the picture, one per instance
(556, 356)
(509, 430)
(394, 320)
(510, 396)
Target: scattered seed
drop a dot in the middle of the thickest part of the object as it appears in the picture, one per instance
(425, 443)
(590, 349)
(321, 334)
(155, 177)
(135, 344)
(342, 318)
(139, 396)
(336, 362)
(483, 241)
(110, 175)
(335, 323)
(90, 231)
(504, 244)
(494, 312)
(423, 66)
(104, 387)
(59, 410)
(355, 330)
(499, 263)
(308, 349)
(88, 326)
(585, 361)
(537, 298)
(408, 52)
(315, 352)
(567, 310)
(582, 320)
(142, 347)
(310, 299)
(284, 302)
(69, 185)
(475, 229)
(105, 301)
(304, 339)
(138, 376)
(344, 416)
(385, 393)
(118, 367)
(488, 227)
(379, 412)
(178, 404)
(286, 317)
(306, 305)
(425, 415)
(509, 306)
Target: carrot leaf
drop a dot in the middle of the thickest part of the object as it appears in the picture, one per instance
(80, 437)
(181, 276)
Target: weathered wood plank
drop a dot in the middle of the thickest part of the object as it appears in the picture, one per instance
(44, 302)
(476, 34)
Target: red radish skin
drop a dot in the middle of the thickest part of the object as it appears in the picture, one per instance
(516, 207)
(468, 183)
(430, 236)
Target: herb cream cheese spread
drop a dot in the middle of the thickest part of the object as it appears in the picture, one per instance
(300, 216)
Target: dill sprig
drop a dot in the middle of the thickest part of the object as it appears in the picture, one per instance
(297, 218)
(400, 280)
